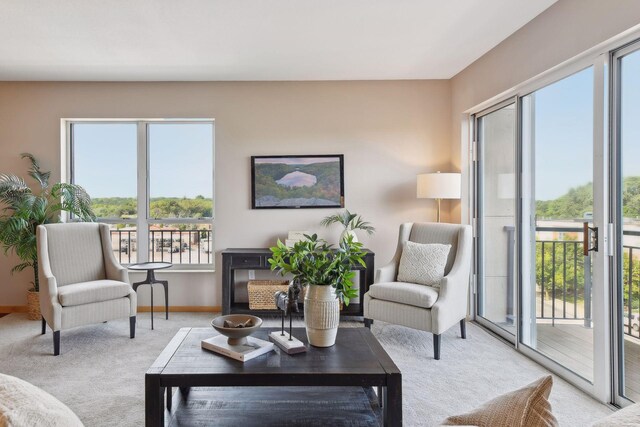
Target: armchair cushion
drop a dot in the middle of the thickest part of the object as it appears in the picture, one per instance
(423, 263)
(94, 291)
(405, 293)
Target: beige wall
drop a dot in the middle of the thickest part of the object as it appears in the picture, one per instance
(566, 29)
(388, 132)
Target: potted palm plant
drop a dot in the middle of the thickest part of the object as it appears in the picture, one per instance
(327, 274)
(350, 222)
(22, 210)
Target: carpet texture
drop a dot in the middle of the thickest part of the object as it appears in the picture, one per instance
(100, 373)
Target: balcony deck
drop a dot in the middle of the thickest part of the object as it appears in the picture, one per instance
(571, 344)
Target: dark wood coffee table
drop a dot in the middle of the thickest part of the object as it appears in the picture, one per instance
(357, 361)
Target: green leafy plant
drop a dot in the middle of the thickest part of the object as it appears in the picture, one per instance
(314, 262)
(23, 210)
(350, 221)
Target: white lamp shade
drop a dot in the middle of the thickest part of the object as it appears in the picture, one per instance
(438, 186)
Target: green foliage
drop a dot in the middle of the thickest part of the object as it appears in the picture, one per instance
(314, 262)
(327, 181)
(579, 200)
(566, 268)
(160, 207)
(349, 221)
(23, 210)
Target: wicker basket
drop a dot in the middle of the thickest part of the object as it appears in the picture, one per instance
(261, 293)
(33, 303)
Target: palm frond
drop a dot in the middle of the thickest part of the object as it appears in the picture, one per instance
(18, 268)
(12, 190)
(74, 199)
(35, 172)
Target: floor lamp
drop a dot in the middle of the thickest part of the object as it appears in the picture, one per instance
(438, 186)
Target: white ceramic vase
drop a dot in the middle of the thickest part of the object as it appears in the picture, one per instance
(321, 315)
(346, 233)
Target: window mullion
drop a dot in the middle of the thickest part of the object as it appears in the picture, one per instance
(142, 199)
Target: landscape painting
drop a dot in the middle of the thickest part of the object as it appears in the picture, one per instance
(292, 182)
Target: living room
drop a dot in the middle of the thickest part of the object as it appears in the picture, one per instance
(449, 124)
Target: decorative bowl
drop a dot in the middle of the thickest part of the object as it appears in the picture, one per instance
(236, 336)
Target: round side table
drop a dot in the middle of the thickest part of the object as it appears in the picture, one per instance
(150, 268)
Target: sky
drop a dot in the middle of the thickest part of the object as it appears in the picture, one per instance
(563, 125)
(564, 130)
(180, 159)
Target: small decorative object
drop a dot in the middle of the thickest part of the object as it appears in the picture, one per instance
(236, 327)
(24, 210)
(287, 303)
(350, 222)
(293, 182)
(327, 273)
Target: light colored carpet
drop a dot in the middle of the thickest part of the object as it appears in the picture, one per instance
(100, 373)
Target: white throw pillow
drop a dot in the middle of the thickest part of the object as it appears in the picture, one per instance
(25, 405)
(423, 263)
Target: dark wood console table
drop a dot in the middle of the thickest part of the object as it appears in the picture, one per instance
(256, 259)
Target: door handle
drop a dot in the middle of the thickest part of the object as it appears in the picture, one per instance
(589, 239)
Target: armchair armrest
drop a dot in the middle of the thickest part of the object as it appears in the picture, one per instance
(113, 269)
(388, 273)
(453, 298)
(49, 304)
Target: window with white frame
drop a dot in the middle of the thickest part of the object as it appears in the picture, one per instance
(152, 182)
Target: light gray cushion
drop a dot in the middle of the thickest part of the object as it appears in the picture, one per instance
(25, 405)
(75, 252)
(446, 234)
(423, 263)
(94, 291)
(405, 293)
(628, 416)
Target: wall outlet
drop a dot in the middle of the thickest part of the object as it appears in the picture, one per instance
(252, 275)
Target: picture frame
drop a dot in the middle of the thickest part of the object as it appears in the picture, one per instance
(297, 181)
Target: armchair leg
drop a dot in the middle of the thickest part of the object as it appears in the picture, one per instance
(368, 323)
(436, 346)
(463, 329)
(56, 343)
(132, 327)
(44, 326)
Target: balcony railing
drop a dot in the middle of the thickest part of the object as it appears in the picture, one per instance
(563, 279)
(166, 245)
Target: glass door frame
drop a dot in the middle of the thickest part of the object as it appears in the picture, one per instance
(478, 222)
(600, 387)
(616, 187)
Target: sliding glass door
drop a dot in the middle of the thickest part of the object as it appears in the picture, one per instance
(541, 215)
(626, 132)
(558, 157)
(496, 213)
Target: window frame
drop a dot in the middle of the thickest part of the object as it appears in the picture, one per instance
(143, 219)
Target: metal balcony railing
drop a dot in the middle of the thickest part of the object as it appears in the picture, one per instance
(563, 279)
(167, 245)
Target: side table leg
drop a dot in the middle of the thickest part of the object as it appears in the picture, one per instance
(153, 401)
(392, 401)
(165, 284)
(169, 398)
(151, 286)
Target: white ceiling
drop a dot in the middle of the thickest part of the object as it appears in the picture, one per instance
(252, 39)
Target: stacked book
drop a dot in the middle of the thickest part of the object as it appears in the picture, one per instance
(295, 237)
(254, 347)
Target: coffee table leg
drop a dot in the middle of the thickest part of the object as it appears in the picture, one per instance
(153, 401)
(392, 401)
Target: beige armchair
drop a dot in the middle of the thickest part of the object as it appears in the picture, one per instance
(418, 306)
(80, 280)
